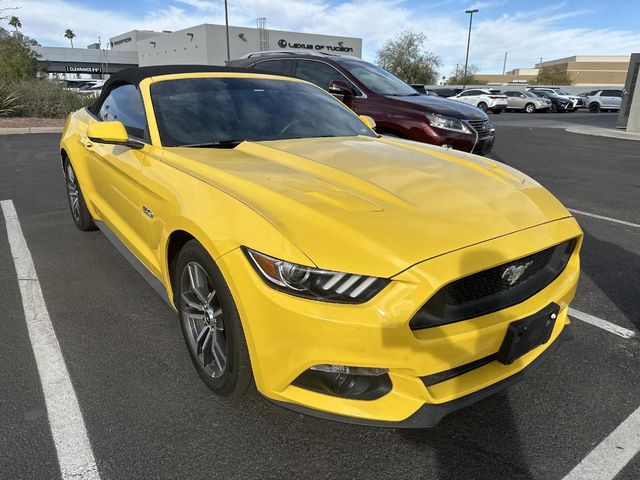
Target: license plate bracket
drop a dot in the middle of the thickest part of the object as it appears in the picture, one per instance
(528, 333)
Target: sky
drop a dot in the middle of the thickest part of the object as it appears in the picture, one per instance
(527, 29)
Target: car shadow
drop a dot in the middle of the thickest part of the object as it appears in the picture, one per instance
(615, 271)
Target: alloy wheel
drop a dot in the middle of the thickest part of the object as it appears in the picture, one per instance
(202, 315)
(73, 193)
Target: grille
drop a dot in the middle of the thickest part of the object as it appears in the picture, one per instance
(480, 126)
(495, 288)
(491, 282)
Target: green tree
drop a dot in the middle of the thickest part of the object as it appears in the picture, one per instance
(17, 60)
(458, 78)
(15, 23)
(68, 33)
(553, 75)
(405, 57)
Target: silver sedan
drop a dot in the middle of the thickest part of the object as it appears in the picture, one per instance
(527, 101)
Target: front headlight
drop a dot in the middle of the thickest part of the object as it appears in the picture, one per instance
(447, 123)
(314, 283)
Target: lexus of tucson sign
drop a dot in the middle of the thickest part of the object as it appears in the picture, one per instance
(83, 69)
(282, 43)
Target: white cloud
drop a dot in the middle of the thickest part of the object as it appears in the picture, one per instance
(527, 34)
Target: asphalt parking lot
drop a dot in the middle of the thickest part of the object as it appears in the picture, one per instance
(148, 415)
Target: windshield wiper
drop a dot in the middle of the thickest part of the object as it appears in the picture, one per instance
(232, 143)
(400, 94)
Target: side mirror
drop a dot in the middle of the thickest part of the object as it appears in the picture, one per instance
(112, 133)
(338, 87)
(368, 121)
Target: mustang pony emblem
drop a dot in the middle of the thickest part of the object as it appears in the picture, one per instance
(514, 272)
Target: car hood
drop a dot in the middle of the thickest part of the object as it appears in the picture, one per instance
(442, 106)
(373, 206)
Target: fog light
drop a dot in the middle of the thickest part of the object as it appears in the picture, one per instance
(347, 382)
(343, 369)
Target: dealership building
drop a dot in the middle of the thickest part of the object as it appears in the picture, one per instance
(200, 45)
(583, 70)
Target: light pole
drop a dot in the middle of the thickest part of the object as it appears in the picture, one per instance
(466, 60)
(226, 22)
(504, 65)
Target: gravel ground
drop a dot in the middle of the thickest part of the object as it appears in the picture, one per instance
(22, 122)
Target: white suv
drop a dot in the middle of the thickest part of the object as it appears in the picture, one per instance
(604, 100)
(483, 99)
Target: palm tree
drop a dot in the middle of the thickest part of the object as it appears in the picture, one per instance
(15, 22)
(68, 33)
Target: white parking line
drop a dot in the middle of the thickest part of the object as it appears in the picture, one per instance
(602, 217)
(75, 456)
(612, 454)
(605, 325)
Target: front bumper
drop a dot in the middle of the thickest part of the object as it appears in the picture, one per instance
(287, 335)
(429, 415)
(461, 141)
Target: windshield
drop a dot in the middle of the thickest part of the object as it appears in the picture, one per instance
(218, 111)
(376, 79)
(531, 94)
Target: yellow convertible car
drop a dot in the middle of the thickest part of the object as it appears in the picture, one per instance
(348, 275)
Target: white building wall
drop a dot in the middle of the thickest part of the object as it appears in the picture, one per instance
(206, 45)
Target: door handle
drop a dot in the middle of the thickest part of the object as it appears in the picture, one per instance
(86, 142)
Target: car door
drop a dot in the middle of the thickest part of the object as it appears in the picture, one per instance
(466, 97)
(515, 100)
(611, 98)
(115, 169)
(322, 74)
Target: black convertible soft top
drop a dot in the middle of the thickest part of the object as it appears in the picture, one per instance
(135, 75)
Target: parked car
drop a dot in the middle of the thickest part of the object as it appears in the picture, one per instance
(527, 101)
(422, 90)
(397, 109)
(356, 278)
(583, 96)
(604, 100)
(576, 101)
(447, 92)
(484, 99)
(558, 104)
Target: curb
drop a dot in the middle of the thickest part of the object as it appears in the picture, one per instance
(28, 130)
(604, 132)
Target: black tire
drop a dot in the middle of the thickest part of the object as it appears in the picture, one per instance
(554, 109)
(594, 107)
(497, 111)
(237, 376)
(530, 108)
(483, 106)
(78, 207)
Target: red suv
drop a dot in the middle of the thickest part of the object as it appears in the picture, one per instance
(396, 107)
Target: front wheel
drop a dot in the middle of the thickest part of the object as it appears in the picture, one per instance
(554, 109)
(210, 322)
(79, 211)
(530, 108)
(497, 111)
(594, 107)
(483, 106)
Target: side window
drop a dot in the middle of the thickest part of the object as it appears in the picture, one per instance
(466, 94)
(319, 73)
(278, 67)
(611, 93)
(124, 104)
